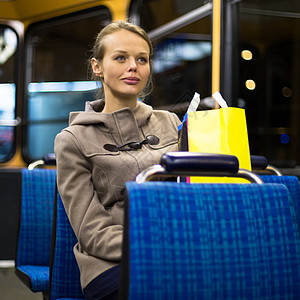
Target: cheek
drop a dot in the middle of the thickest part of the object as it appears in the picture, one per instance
(146, 73)
(109, 72)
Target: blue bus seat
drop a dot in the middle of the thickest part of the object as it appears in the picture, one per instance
(64, 271)
(35, 228)
(209, 241)
(293, 185)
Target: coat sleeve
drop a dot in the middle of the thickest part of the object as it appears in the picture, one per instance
(92, 224)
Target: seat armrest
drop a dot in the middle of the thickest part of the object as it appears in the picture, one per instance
(186, 164)
(183, 161)
(258, 162)
(49, 159)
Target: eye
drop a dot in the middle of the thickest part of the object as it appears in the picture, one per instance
(142, 59)
(120, 58)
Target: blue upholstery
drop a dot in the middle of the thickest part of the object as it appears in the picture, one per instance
(293, 185)
(209, 241)
(38, 276)
(65, 276)
(35, 228)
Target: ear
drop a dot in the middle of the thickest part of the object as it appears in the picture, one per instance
(96, 67)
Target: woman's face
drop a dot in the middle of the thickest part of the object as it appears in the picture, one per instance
(125, 67)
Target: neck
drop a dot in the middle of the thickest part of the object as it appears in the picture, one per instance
(112, 105)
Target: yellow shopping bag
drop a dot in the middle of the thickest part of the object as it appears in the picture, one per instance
(222, 131)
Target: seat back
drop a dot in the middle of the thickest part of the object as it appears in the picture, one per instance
(36, 215)
(293, 185)
(64, 271)
(209, 241)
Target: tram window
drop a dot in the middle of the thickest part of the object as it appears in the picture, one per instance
(271, 30)
(181, 67)
(182, 57)
(8, 48)
(57, 82)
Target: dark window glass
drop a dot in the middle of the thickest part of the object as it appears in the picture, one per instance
(269, 78)
(57, 83)
(182, 57)
(8, 48)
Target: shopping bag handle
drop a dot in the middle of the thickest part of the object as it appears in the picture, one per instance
(220, 102)
(183, 163)
(219, 99)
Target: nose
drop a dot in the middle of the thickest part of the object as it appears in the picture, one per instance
(132, 65)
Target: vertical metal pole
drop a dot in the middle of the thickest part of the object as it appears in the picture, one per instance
(216, 45)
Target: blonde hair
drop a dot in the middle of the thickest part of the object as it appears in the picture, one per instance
(99, 49)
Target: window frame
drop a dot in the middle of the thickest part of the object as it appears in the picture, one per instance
(17, 28)
(33, 29)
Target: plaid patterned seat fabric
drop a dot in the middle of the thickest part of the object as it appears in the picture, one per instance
(293, 185)
(65, 276)
(209, 241)
(35, 228)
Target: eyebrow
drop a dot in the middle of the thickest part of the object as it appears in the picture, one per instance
(123, 51)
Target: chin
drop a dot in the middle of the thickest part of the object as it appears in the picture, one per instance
(131, 93)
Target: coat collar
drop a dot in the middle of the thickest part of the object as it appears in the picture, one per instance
(118, 120)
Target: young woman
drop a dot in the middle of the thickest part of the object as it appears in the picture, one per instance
(105, 146)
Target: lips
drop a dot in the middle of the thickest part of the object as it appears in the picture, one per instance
(131, 80)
